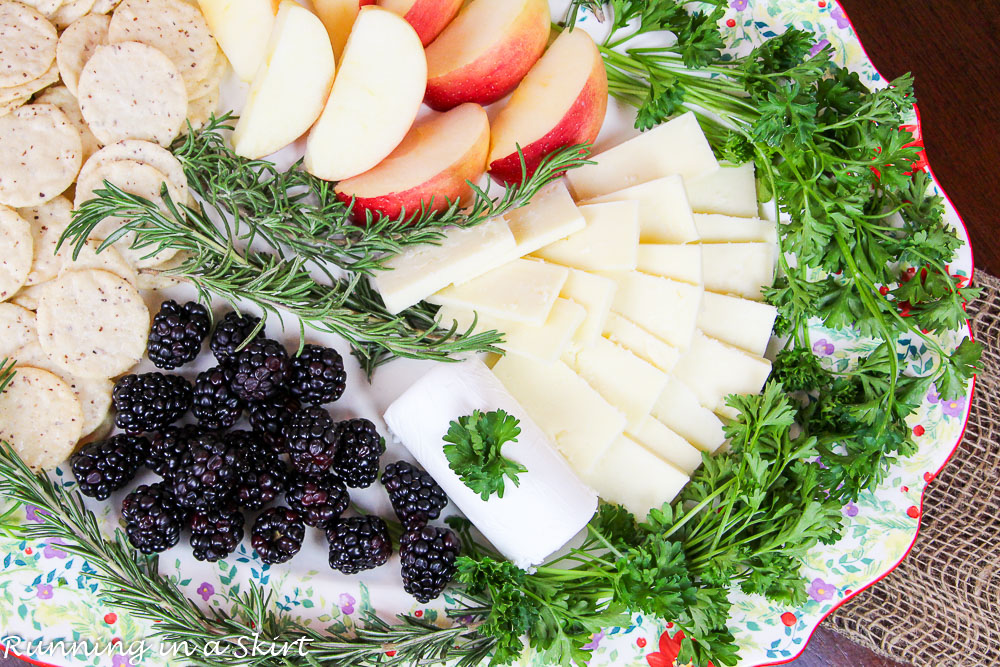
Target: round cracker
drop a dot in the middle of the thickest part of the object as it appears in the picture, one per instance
(40, 418)
(27, 43)
(40, 155)
(93, 323)
(6, 106)
(174, 27)
(159, 277)
(17, 329)
(104, 6)
(15, 252)
(109, 260)
(46, 8)
(48, 222)
(213, 78)
(201, 109)
(61, 97)
(146, 152)
(132, 91)
(77, 44)
(28, 296)
(31, 87)
(70, 12)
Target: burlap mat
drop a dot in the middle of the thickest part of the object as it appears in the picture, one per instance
(941, 606)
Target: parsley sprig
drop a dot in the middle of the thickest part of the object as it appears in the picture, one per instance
(475, 453)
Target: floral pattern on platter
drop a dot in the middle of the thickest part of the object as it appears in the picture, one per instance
(45, 595)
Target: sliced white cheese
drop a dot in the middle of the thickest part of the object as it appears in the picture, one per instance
(532, 520)
(727, 229)
(609, 242)
(623, 379)
(542, 343)
(730, 191)
(678, 409)
(665, 443)
(551, 215)
(633, 477)
(679, 262)
(663, 307)
(664, 213)
(522, 291)
(676, 147)
(740, 322)
(595, 293)
(742, 269)
(641, 343)
(570, 412)
(714, 370)
(421, 270)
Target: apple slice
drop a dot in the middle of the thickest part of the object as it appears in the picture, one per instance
(242, 29)
(561, 102)
(428, 17)
(338, 16)
(374, 100)
(431, 168)
(485, 52)
(285, 97)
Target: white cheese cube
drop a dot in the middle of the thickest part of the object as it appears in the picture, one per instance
(570, 412)
(665, 443)
(419, 271)
(678, 262)
(742, 269)
(595, 293)
(522, 291)
(664, 213)
(640, 342)
(551, 215)
(726, 229)
(609, 242)
(663, 307)
(633, 477)
(676, 147)
(730, 191)
(678, 409)
(532, 520)
(714, 370)
(740, 322)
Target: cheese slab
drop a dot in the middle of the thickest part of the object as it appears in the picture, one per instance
(551, 215)
(622, 331)
(678, 409)
(533, 519)
(664, 213)
(667, 444)
(714, 370)
(713, 228)
(729, 191)
(666, 308)
(678, 262)
(608, 242)
(676, 147)
(740, 322)
(742, 269)
(595, 293)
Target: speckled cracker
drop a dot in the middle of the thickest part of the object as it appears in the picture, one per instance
(9, 105)
(71, 11)
(158, 277)
(40, 155)
(17, 329)
(29, 88)
(15, 252)
(45, 7)
(146, 152)
(77, 44)
(40, 418)
(48, 222)
(213, 78)
(104, 6)
(93, 323)
(28, 296)
(202, 108)
(109, 260)
(66, 101)
(27, 43)
(132, 91)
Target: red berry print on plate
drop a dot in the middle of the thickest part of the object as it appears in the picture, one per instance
(789, 619)
(913, 512)
(731, 23)
(111, 618)
(641, 642)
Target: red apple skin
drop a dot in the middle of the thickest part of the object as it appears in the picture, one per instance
(430, 17)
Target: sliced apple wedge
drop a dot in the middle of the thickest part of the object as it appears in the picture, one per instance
(428, 17)
(338, 16)
(375, 97)
(485, 52)
(561, 102)
(242, 29)
(431, 168)
(286, 97)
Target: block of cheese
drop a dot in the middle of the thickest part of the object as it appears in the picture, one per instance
(665, 308)
(532, 520)
(713, 228)
(667, 444)
(623, 379)
(595, 293)
(729, 190)
(675, 147)
(664, 213)
(714, 370)
(633, 477)
(421, 270)
(543, 343)
(570, 412)
(551, 215)
(522, 291)
(641, 343)
(740, 322)
(678, 409)
(609, 242)
(742, 269)
(679, 262)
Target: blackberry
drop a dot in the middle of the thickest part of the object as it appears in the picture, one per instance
(108, 465)
(269, 417)
(358, 543)
(358, 450)
(414, 494)
(317, 375)
(177, 334)
(215, 405)
(260, 370)
(215, 533)
(278, 534)
(265, 476)
(168, 447)
(153, 519)
(230, 333)
(208, 472)
(318, 499)
(312, 440)
(428, 561)
(150, 401)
